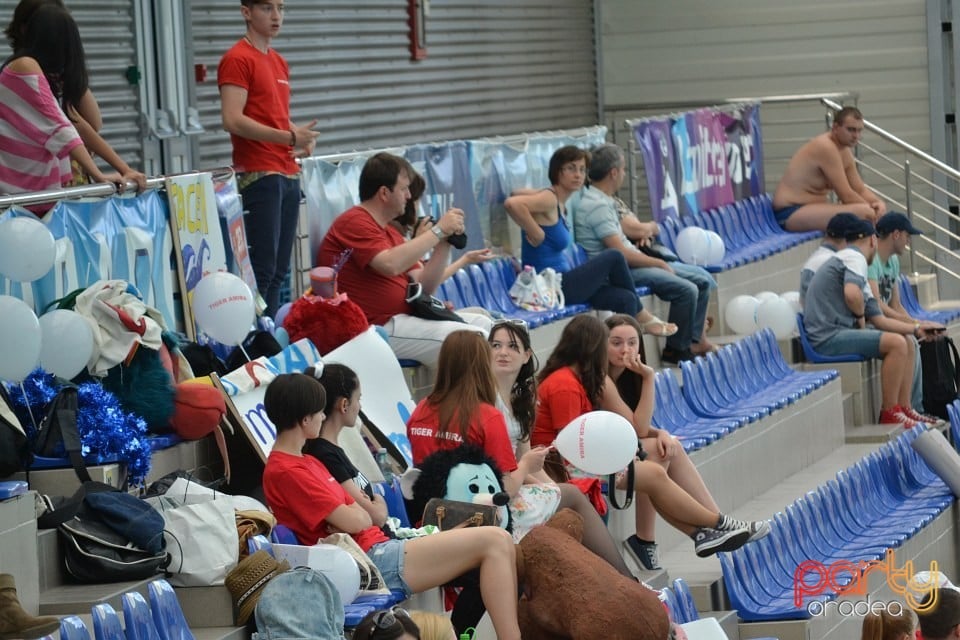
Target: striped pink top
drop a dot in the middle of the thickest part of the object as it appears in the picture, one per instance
(36, 137)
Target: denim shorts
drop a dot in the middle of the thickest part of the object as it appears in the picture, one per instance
(865, 342)
(388, 556)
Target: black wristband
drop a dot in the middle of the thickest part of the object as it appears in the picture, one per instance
(293, 138)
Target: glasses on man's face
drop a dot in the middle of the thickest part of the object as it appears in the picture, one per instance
(574, 169)
(388, 619)
(267, 7)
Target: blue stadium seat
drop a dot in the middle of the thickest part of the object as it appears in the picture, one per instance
(685, 600)
(813, 356)
(393, 496)
(73, 628)
(106, 623)
(167, 614)
(669, 599)
(137, 618)
(282, 534)
(909, 301)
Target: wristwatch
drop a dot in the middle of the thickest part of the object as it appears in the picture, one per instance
(437, 231)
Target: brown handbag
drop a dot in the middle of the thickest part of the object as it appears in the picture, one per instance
(452, 514)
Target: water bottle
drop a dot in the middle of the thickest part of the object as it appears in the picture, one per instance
(384, 463)
(526, 276)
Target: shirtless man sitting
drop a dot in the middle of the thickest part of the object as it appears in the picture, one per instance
(822, 165)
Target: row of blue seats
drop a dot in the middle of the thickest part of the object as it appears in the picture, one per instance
(749, 230)
(723, 391)
(162, 619)
(869, 508)
(909, 301)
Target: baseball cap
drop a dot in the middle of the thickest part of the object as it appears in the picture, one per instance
(838, 225)
(859, 229)
(895, 221)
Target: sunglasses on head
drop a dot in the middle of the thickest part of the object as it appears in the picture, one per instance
(387, 619)
(509, 322)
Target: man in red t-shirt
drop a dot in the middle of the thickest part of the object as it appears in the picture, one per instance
(254, 83)
(382, 262)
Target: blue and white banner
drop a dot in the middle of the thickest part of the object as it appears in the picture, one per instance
(701, 159)
(122, 238)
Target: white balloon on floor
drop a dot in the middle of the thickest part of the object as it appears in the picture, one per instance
(715, 248)
(598, 442)
(777, 315)
(67, 342)
(19, 339)
(763, 296)
(223, 307)
(741, 314)
(27, 249)
(692, 245)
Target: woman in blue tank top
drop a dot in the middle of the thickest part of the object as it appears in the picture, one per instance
(604, 281)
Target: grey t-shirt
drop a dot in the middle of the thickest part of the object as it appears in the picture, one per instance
(825, 310)
(595, 218)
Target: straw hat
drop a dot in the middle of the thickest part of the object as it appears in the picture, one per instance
(248, 579)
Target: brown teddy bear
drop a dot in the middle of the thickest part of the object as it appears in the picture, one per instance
(571, 593)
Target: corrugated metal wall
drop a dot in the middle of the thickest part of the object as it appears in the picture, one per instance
(688, 50)
(493, 67)
(107, 29)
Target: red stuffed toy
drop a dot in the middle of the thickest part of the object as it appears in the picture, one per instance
(328, 322)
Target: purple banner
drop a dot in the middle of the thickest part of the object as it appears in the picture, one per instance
(744, 151)
(704, 161)
(660, 165)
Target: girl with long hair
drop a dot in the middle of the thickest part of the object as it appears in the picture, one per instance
(603, 281)
(884, 625)
(631, 394)
(573, 382)
(387, 624)
(304, 496)
(41, 89)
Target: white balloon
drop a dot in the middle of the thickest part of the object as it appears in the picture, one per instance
(19, 339)
(598, 442)
(67, 342)
(741, 314)
(692, 245)
(223, 307)
(763, 296)
(27, 250)
(778, 315)
(715, 248)
(793, 297)
(330, 560)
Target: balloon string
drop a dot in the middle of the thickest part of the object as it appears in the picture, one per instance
(29, 410)
(245, 354)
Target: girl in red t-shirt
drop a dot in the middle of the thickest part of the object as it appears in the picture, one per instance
(574, 381)
(304, 496)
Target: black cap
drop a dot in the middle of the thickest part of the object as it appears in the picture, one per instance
(895, 221)
(859, 229)
(838, 225)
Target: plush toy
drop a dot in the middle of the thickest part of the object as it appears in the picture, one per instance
(327, 322)
(465, 474)
(569, 592)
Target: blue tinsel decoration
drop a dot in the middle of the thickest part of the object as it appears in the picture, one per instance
(106, 430)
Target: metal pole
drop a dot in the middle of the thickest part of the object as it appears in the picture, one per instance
(632, 168)
(908, 193)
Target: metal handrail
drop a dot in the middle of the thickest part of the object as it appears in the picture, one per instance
(693, 104)
(99, 190)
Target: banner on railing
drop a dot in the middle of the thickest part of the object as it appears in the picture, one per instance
(197, 238)
(230, 209)
(701, 159)
(124, 238)
(475, 176)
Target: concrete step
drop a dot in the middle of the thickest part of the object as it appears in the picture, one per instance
(866, 433)
(848, 408)
(221, 633)
(206, 606)
(862, 380)
(925, 286)
(67, 599)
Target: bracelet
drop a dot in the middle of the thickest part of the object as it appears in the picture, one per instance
(293, 137)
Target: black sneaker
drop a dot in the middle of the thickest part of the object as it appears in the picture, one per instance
(675, 356)
(758, 528)
(708, 541)
(645, 553)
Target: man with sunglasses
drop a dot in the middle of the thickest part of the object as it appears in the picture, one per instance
(254, 83)
(822, 165)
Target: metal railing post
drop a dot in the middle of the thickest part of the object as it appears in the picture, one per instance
(908, 197)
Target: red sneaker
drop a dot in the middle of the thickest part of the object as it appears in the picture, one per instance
(922, 417)
(895, 415)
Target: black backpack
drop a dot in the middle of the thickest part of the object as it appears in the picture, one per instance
(58, 434)
(941, 375)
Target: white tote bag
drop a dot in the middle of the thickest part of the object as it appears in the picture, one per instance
(537, 291)
(201, 534)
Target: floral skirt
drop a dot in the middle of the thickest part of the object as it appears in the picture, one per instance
(533, 505)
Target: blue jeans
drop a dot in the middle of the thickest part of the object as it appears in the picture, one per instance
(688, 292)
(604, 282)
(271, 208)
